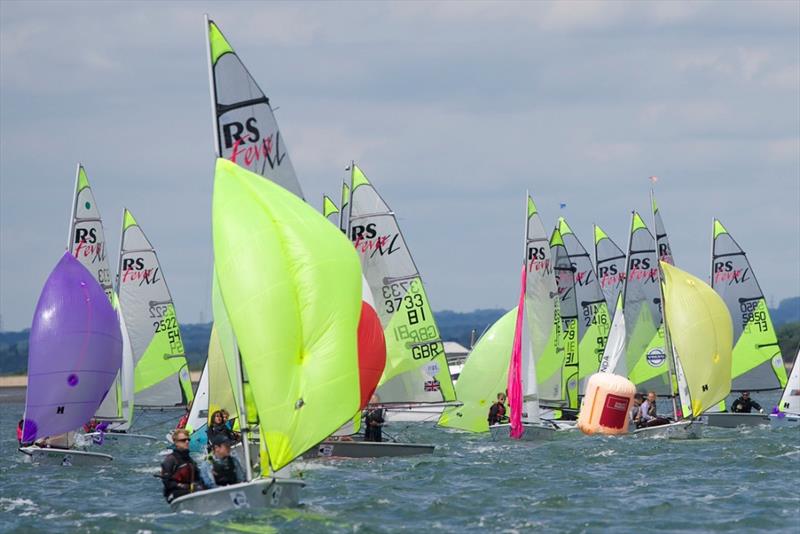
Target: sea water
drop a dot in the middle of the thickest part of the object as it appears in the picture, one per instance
(731, 480)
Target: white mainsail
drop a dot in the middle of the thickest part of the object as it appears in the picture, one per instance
(790, 400)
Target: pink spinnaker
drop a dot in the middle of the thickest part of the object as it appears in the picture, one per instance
(515, 370)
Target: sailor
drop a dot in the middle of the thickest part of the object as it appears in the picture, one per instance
(648, 414)
(218, 427)
(179, 472)
(222, 469)
(497, 412)
(184, 420)
(745, 404)
(638, 399)
(373, 422)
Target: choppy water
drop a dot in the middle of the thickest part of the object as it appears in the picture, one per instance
(730, 480)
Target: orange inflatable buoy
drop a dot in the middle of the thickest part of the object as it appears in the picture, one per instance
(605, 406)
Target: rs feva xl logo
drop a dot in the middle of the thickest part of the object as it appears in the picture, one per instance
(133, 270)
(247, 146)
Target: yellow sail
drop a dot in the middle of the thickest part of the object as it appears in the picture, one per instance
(291, 286)
(701, 332)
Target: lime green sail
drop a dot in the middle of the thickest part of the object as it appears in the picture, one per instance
(701, 334)
(485, 374)
(757, 361)
(291, 286)
(220, 386)
(329, 209)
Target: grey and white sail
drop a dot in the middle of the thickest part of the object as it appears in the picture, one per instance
(662, 241)
(541, 302)
(246, 130)
(594, 321)
(757, 361)
(610, 267)
(161, 374)
(416, 367)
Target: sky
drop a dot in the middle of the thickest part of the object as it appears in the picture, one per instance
(452, 109)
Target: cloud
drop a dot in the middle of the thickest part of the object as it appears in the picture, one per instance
(454, 110)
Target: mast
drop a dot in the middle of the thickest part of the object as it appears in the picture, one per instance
(346, 229)
(212, 91)
(672, 364)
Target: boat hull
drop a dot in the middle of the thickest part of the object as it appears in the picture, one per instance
(678, 430)
(122, 436)
(64, 457)
(367, 449)
(734, 420)
(784, 420)
(259, 493)
(530, 432)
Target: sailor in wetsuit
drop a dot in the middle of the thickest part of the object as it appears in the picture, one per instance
(219, 427)
(179, 473)
(373, 421)
(497, 412)
(745, 404)
(222, 469)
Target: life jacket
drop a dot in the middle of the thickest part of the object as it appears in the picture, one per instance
(183, 421)
(224, 471)
(19, 433)
(185, 472)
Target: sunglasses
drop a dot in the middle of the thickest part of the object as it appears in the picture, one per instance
(182, 439)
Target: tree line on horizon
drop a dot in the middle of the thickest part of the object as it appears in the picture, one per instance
(453, 326)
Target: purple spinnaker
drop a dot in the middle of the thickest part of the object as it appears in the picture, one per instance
(74, 352)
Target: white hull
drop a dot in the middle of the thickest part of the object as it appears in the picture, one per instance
(112, 436)
(259, 493)
(787, 419)
(530, 432)
(65, 457)
(367, 449)
(733, 420)
(679, 430)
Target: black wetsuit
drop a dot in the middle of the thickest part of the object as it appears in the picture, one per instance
(742, 405)
(180, 475)
(373, 432)
(219, 430)
(226, 471)
(497, 414)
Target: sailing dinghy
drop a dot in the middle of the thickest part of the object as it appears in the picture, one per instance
(75, 353)
(281, 264)
(636, 344)
(523, 400)
(757, 361)
(788, 410)
(699, 335)
(416, 378)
